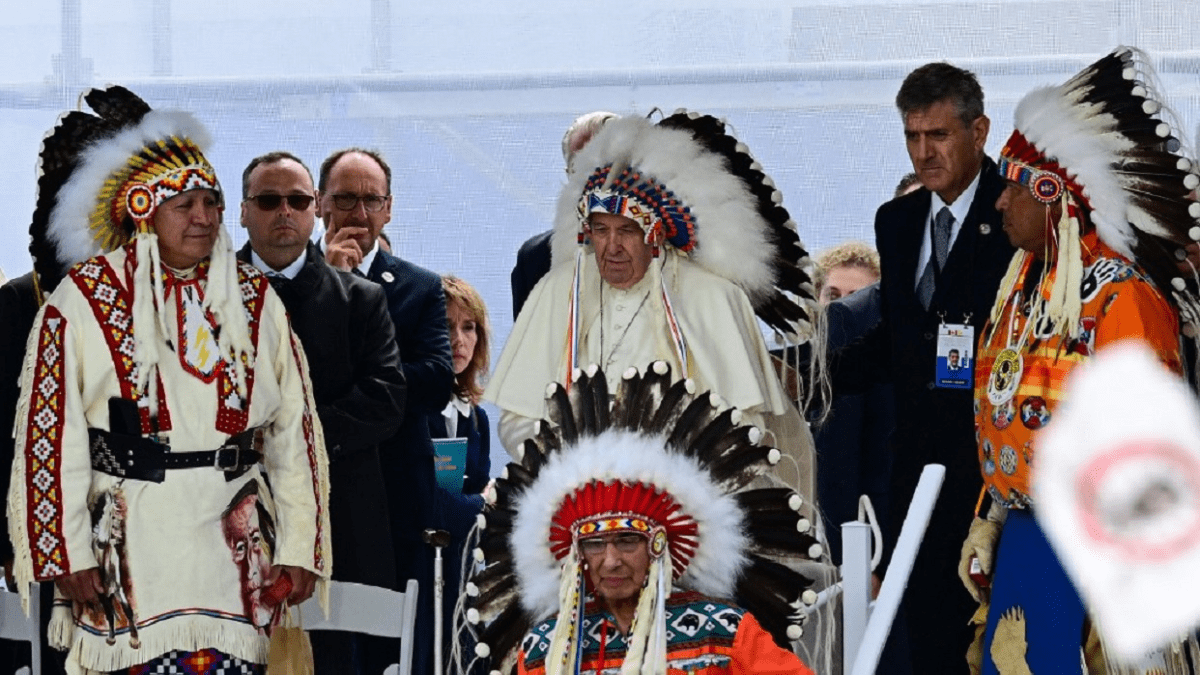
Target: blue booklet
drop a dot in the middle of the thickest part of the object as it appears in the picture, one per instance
(450, 463)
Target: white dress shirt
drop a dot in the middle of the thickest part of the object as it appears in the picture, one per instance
(959, 209)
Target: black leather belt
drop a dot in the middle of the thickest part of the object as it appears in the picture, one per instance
(141, 458)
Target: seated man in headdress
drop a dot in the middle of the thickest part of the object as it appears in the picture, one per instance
(668, 240)
(635, 545)
(166, 385)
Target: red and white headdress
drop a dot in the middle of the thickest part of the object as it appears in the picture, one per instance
(661, 461)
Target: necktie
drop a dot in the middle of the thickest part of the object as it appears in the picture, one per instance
(278, 282)
(942, 223)
(941, 235)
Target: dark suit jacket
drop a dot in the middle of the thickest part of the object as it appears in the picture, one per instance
(935, 425)
(417, 305)
(853, 456)
(533, 261)
(18, 309)
(354, 364)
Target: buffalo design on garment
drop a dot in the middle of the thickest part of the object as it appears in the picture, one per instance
(172, 567)
(1118, 302)
(704, 637)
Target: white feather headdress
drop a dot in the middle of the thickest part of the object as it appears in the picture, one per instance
(674, 464)
(1106, 146)
(713, 201)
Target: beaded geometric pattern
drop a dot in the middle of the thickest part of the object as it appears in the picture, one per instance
(112, 306)
(700, 634)
(645, 201)
(203, 662)
(157, 173)
(232, 410)
(1046, 186)
(44, 451)
(614, 524)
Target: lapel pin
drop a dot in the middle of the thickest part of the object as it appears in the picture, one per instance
(984, 228)
(388, 277)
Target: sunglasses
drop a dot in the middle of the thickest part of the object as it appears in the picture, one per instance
(272, 202)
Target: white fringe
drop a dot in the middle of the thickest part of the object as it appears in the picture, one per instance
(642, 654)
(185, 633)
(18, 530)
(564, 642)
(1065, 304)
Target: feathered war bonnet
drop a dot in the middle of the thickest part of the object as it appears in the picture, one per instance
(659, 460)
(689, 181)
(102, 176)
(1104, 146)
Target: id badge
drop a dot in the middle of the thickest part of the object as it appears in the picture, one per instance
(955, 356)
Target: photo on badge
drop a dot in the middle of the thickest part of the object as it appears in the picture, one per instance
(955, 356)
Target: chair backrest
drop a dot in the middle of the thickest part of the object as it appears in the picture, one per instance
(358, 608)
(14, 625)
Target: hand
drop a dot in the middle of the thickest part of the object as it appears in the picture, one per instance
(343, 250)
(980, 544)
(83, 587)
(303, 582)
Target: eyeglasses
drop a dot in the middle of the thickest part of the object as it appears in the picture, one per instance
(625, 543)
(347, 202)
(272, 202)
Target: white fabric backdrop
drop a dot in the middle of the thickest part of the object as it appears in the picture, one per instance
(469, 99)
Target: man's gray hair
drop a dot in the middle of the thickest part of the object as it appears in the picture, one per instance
(936, 82)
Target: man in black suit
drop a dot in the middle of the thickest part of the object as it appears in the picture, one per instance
(943, 254)
(533, 262)
(343, 325)
(354, 201)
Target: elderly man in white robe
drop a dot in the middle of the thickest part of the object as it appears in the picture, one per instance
(668, 240)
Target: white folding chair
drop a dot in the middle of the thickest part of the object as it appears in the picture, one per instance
(358, 608)
(14, 625)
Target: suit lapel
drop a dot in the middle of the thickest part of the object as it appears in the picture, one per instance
(975, 231)
(378, 265)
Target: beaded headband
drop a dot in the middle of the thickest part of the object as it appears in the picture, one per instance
(600, 507)
(641, 199)
(159, 172)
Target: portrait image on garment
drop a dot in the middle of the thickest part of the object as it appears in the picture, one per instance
(249, 532)
(954, 356)
(108, 513)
